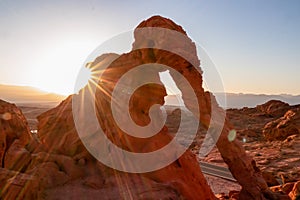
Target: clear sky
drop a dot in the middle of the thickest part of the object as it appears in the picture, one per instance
(254, 44)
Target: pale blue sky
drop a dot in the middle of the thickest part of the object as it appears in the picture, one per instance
(254, 44)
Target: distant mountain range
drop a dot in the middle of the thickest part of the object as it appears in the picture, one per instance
(25, 94)
(244, 100)
(251, 100)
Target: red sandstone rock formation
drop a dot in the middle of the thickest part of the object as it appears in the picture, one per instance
(184, 175)
(241, 165)
(295, 193)
(283, 127)
(61, 168)
(250, 122)
(59, 122)
(274, 108)
(14, 135)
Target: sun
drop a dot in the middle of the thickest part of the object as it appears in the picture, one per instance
(60, 67)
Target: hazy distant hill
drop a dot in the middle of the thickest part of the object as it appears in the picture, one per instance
(251, 100)
(245, 100)
(25, 94)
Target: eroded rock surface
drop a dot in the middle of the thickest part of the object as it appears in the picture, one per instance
(14, 135)
(283, 127)
(295, 193)
(274, 108)
(59, 122)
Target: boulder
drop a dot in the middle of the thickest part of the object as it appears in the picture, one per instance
(59, 121)
(14, 184)
(14, 135)
(283, 127)
(288, 187)
(17, 157)
(270, 178)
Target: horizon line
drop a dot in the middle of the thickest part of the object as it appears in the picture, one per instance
(235, 93)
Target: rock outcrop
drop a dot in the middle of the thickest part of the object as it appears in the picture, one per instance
(177, 173)
(14, 135)
(283, 127)
(252, 123)
(295, 193)
(240, 164)
(60, 167)
(274, 108)
(292, 189)
(59, 122)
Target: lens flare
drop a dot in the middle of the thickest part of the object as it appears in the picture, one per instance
(231, 135)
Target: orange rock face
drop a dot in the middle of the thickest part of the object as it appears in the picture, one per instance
(283, 127)
(14, 135)
(59, 121)
(274, 108)
(295, 193)
(59, 172)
